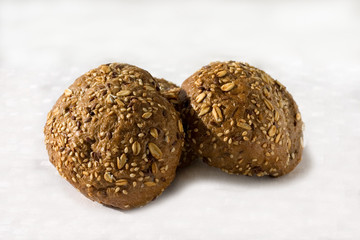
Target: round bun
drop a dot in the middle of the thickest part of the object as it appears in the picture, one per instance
(241, 120)
(114, 137)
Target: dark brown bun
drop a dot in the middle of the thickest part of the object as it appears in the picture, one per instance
(241, 120)
(114, 137)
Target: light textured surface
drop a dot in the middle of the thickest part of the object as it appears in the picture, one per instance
(311, 47)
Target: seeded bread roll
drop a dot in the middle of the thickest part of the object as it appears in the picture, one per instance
(171, 92)
(241, 120)
(114, 137)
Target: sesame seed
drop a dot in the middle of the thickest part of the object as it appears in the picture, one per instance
(154, 168)
(289, 144)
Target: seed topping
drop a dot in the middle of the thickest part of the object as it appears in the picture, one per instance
(227, 86)
(204, 110)
(67, 92)
(272, 131)
(200, 97)
(154, 132)
(155, 151)
(216, 112)
(147, 115)
(123, 93)
(221, 73)
(136, 148)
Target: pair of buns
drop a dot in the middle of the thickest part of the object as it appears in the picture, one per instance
(118, 134)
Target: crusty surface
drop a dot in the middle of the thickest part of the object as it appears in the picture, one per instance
(241, 120)
(114, 137)
(171, 92)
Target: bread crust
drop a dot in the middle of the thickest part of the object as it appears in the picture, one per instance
(114, 137)
(241, 120)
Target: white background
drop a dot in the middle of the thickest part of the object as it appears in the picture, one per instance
(312, 47)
